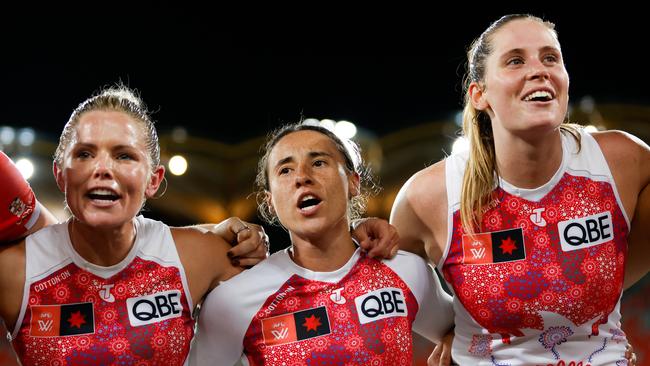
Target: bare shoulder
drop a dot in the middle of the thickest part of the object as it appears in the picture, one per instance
(627, 154)
(622, 147)
(204, 256)
(12, 279)
(11, 257)
(196, 242)
(427, 187)
(628, 158)
(419, 212)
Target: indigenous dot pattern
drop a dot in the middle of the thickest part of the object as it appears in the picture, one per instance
(581, 285)
(382, 342)
(115, 341)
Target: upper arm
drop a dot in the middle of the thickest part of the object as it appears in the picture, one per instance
(629, 161)
(638, 264)
(45, 218)
(419, 213)
(12, 281)
(204, 257)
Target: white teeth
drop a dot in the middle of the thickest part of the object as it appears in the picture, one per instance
(102, 192)
(308, 197)
(538, 94)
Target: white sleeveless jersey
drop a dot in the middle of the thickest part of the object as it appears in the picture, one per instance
(137, 312)
(278, 313)
(541, 281)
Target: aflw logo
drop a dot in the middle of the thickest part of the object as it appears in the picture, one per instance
(45, 325)
(478, 253)
(280, 334)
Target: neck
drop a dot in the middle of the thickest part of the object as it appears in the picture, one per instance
(529, 164)
(326, 251)
(103, 247)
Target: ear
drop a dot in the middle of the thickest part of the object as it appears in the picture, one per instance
(477, 96)
(268, 198)
(354, 182)
(58, 177)
(154, 182)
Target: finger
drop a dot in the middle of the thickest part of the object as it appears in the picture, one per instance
(235, 225)
(244, 248)
(378, 250)
(245, 261)
(363, 239)
(445, 357)
(434, 358)
(381, 248)
(394, 245)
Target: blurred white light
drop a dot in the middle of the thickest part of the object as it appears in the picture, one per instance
(25, 167)
(591, 128)
(345, 129)
(587, 104)
(458, 118)
(329, 124)
(7, 135)
(311, 121)
(179, 135)
(461, 144)
(26, 136)
(177, 165)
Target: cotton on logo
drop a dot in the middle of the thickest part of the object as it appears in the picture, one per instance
(280, 334)
(45, 325)
(537, 218)
(336, 296)
(478, 253)
(105, 293)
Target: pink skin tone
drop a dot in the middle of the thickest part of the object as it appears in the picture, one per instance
(526, 59)
(105, 176)
(308, 164)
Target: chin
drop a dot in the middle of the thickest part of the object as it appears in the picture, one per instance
(103, 220)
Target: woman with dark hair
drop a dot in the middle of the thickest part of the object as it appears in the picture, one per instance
(322, 300)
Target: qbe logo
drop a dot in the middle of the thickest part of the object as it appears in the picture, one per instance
(379, 304)
(154, 308)
(586, 231)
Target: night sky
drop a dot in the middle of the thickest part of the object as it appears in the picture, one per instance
(233, 75)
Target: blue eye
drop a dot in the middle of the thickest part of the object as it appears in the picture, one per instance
(550, 59)
(515, 61)
(125, 157)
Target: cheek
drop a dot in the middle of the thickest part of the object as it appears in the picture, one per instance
(139, 176)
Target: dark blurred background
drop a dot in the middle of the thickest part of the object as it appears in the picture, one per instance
(218, 80)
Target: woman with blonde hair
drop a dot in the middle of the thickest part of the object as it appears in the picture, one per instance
(531, 227)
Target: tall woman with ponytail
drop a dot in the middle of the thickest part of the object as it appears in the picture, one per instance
(536, 227)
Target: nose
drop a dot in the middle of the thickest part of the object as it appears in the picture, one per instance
(303, 176)
(538, 70)
(103, 166)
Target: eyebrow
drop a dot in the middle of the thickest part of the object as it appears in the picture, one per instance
(521, 51)
(312, 154)
(91, 145)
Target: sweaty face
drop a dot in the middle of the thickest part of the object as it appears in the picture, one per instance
(106, 172)
(526, 83)
(309, 185)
